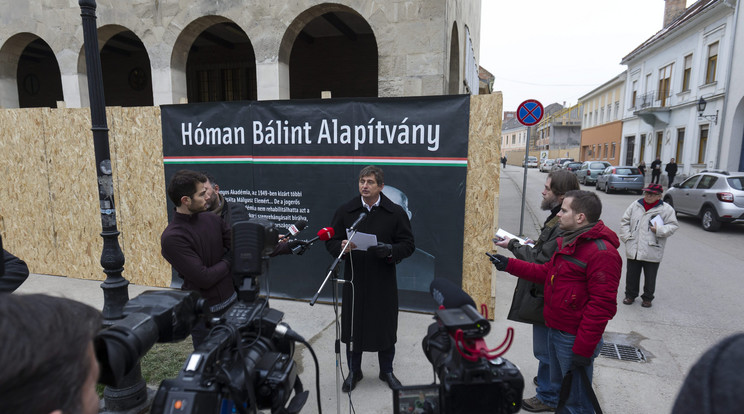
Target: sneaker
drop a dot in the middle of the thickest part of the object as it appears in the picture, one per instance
(534, 405)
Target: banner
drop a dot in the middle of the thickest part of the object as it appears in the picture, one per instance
(300, 160)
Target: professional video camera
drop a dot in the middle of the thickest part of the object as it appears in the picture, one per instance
(245, 363)
(473, 379)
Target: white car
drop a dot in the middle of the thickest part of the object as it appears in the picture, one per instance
(531, 162)
(546, 165)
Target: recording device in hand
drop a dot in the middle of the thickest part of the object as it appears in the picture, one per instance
(295, 228)
(472, 378)
(246, 362)
(326, 233)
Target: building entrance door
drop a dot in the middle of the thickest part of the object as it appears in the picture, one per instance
(629, 148)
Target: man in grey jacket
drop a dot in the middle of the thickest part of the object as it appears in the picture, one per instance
(644, 228)
(527, 304)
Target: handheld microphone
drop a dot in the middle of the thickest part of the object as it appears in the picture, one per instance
(295, 228)
(361, 218)
(326, 233)
(448, 294)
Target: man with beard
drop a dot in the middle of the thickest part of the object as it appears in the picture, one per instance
(528, 301)
(197, 244)
(581, 281)
(370, 307)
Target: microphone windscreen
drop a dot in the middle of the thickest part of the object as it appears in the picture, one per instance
(297, 227)
(448, 294)
(326, 233)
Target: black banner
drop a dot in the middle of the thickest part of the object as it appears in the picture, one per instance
(300, 160)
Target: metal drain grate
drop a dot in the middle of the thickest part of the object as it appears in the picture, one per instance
(622, 352)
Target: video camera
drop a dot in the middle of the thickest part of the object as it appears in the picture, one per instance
(473, 379)
(245, 363)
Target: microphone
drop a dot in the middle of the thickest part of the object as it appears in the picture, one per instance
(361, 218)
(448, 294)
(295, 228)
(326, 233)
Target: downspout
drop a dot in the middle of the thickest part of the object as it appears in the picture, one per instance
(728, 80)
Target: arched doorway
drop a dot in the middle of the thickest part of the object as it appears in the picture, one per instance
(335, 50)
(125, 64)
(29, 73)
(221, 65)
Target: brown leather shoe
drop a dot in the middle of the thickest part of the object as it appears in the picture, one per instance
(646, 303)
(628, 301)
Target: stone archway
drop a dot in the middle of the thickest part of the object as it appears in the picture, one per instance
(29, 73)
(454, 62)
(330, 47)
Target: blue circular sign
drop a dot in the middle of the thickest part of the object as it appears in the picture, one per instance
(529, 112)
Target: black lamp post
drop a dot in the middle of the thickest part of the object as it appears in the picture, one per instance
(131, 395)
(701, 108)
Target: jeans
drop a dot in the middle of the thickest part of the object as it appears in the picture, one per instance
(384, 357)
(560, 346)
(547, 390)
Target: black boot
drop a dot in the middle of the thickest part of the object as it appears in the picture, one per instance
(390, 379)
(351, 380)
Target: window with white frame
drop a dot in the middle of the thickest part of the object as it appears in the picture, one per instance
(687, 73)
(710, 69)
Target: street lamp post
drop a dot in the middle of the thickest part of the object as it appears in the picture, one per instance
(131, 395)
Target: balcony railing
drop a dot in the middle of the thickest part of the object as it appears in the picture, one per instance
(651, 100)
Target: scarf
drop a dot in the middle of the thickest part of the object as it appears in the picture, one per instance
(571, 235)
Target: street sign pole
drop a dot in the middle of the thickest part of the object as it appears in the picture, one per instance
(524, 183)
(529, 113)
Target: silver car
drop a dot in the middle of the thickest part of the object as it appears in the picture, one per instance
(546, 164)
(715, 196)
(590, 170)
(620, 178)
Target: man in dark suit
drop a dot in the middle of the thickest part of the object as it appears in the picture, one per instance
(369, 316)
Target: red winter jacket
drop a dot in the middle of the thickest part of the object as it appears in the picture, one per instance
(581, 281)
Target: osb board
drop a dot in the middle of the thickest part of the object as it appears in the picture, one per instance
(25, 205)
(137, 159)
(73, 188)
(481, 199)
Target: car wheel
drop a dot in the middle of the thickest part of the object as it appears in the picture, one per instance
(669, 201)
(583, 180)
(709, 220)
(607, 189)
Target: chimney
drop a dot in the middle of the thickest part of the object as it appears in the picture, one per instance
(672, 10)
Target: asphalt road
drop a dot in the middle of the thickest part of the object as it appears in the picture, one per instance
(698, 301)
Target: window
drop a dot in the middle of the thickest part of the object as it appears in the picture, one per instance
(612, 153)
(659, 141)
(601, 116)
(605, 152)
(703, 145)
(680, 144)
(710, 70)
(687, 73)
(634, 94)
(665, 77)
(707, 182)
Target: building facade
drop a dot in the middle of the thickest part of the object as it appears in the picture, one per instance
(689, 59)
(601, 123)
(559, 132)
(174, 51)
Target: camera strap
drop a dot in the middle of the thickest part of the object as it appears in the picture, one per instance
(566, 390)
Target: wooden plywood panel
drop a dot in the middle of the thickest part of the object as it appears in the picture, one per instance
(25, 205)
(137, 156)
(73, 190)
(481, 200)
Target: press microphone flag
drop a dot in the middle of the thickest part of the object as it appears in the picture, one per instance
(296, 228)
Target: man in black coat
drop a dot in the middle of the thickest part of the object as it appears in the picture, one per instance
(371, 297)
(671, 170)
(656, 170)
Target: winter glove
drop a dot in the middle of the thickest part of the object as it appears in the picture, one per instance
(294, 243)
(382, 250)
(580, 361)
(499, 261)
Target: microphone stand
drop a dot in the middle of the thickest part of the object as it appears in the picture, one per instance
(333, 270)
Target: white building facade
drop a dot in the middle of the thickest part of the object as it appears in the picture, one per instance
(667, 75)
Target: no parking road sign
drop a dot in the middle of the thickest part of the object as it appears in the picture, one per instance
(530, 112)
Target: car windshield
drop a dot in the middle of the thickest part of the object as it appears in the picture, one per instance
(737, 183)
(627, 171)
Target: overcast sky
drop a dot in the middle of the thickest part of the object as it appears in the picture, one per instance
(556, 51)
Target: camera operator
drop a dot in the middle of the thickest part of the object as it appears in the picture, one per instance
(48, 360)
(197, 244)
(581, 281)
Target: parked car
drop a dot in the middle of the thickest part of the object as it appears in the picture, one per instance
(561, 161)
(560, 166)
(620, 178)
(546, 164)
(715, 196)
(572, 166)
(589, 171)
(531, 162)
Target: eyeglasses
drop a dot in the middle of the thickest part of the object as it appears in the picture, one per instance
(650, 193)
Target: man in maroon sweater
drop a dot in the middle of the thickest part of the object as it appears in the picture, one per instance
(195, 243)
(581, 281)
